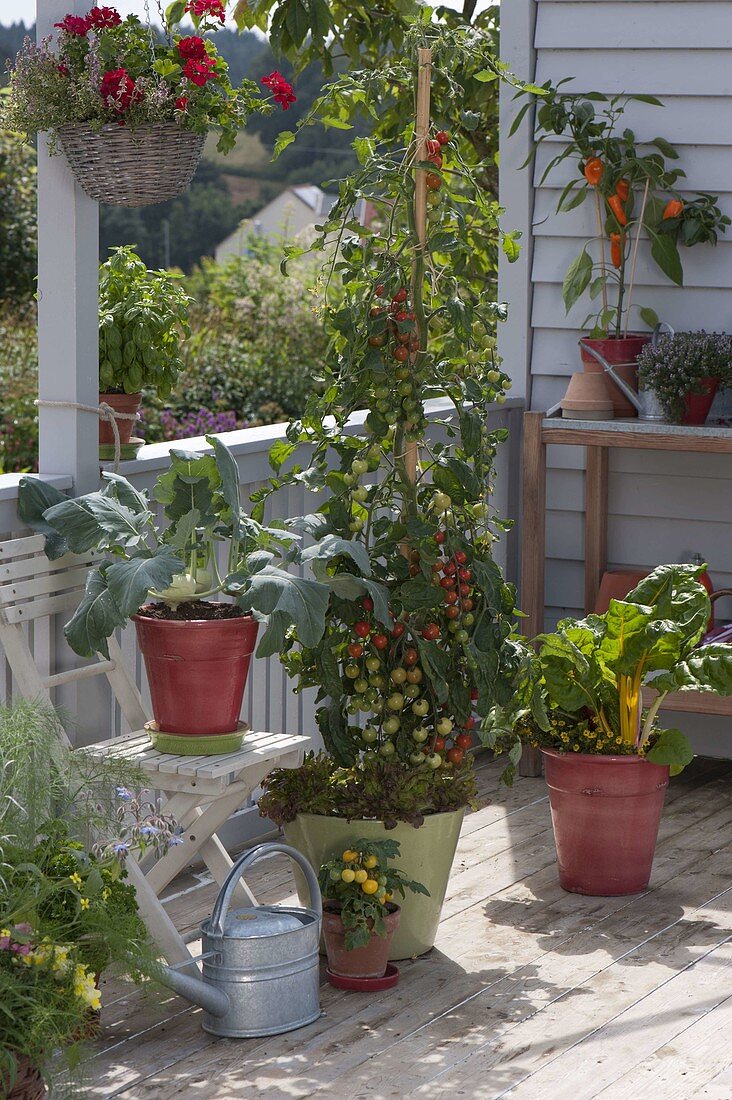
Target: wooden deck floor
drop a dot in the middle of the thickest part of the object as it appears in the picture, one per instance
(530, 993)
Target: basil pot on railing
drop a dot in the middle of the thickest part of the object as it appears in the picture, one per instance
(162, 576)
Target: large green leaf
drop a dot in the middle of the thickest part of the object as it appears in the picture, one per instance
(570, 674)
(577, 279)
(130, 581)
(436, 663)
(76, 524)
(288, 600)
(672, 748)
(708, 668)
(229, 474)
(626, 639)
(35, 497)
(676, 595)
(120, 488)
(120, 525)
(95, 619)
(332, 547)
(666, 254)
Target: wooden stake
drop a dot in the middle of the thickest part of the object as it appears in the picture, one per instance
(601, 235)
(634, 257)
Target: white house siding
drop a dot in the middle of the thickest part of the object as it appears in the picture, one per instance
(662, 506)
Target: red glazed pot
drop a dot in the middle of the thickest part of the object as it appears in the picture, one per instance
(605, 812)
(621, 352)
(362, 962)
(697, 405)
(121, 403)
(197, 671)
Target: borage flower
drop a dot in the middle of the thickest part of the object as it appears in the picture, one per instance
(281, 89)
(202, 8)
(74, 24)
(102, 18)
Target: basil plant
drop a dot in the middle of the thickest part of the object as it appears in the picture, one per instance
(583, 689)
(177, 561)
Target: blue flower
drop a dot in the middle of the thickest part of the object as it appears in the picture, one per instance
(124, 794)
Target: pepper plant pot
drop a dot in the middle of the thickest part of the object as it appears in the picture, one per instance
(426, 856)
(605, 812)
(128, 403)
(621, 352)
(360, 962)
(697, 405)
(197, 671)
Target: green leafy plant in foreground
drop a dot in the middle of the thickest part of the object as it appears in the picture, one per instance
(176, 564)
(361, 886)
(586, 681)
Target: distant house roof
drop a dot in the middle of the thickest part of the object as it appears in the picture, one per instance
(307, 204)
(318, 200)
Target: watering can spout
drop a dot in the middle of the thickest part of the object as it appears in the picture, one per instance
(206, 996)
(622, 385)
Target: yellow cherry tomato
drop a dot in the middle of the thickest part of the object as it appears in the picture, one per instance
(360, 875)
(349, 856)
(388, 897)
(370, 861)
(348, 875)
(370, 886)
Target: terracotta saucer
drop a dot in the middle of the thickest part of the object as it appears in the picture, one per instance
(365, 985)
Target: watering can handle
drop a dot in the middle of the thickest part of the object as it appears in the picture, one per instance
(221, 908)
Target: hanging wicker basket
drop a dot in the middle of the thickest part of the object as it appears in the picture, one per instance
(125, 168)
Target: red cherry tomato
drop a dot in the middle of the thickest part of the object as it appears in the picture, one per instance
(439, 744)
(414, 569)
(443, 137)
(474, 695)
(375, 311)
(464, 741)
(379, 641)
(452, 612)
(436, 566)
(469, 722)
(450, 568)
(379, 290)
(436, 160)
(432, 146)
(433, 181)
(464, 590)
(400, 296)
(431, 632)
(398, 630)
(447, 582)
(355, 650)
(467, 605)
(411, 656)
(363, 629)
(451, 597)
(455, 755)
(440, 538)
(464, 574)
(367, 603)
(401, 353)
(461, 557)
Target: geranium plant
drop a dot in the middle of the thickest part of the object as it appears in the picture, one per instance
(684, 363)
(105, 69)
(633, 193)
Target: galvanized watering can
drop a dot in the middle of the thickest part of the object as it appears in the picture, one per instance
(260, 964)
(646, 402)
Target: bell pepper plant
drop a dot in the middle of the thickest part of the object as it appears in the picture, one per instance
(633, 192)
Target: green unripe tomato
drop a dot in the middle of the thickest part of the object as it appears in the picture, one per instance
(417, 758)
(405, 388)
(411, 691)
(421, 708)
(453, 626)
(352, 707)
(444, 727)
(395, 701)
(434, 760)
(402, 374)
(468, 619)
(380, 393)
(462, 637)
(359, 467)
(383, 405)
(369, 735)
(493, 376)
(352, 671)
(360, 685)
(361, 494)
(387, 749)
(391, 726)
(398, 675)
(377, 680)
(335, 874)
(373, 664)
(441, 502)
(420, 734)
(356, 524)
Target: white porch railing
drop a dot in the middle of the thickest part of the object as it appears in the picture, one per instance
(270, 702)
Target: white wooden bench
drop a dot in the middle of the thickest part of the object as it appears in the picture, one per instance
(201, 792)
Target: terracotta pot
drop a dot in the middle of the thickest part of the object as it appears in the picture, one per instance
(28, 1085)
(362, 962)
(697, 405)
(587, 398)
(615, 585)
(197, 671)
(621, 352)
(605, 812)
(123, 403)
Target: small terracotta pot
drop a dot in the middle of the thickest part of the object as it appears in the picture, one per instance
(587, 398)
(615, 585)
(362, 962)
(123, 403)
(605, 812)
(197, 671)
(697, 405)
(621, 352)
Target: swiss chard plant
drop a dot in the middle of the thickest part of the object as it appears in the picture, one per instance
(177, 561)
(583, 690)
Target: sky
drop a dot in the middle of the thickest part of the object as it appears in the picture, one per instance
(13, 11)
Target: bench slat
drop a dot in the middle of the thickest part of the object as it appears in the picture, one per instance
(44, 585)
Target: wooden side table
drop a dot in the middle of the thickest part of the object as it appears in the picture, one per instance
(597, 437)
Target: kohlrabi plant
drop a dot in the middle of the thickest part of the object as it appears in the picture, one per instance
(180, 560)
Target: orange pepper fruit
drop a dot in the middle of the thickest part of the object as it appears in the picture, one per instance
(622, 189)
(673, 209)
(616, 249)
(594, 171)
(617, 208)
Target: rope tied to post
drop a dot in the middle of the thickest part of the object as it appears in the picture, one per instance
(103, 411)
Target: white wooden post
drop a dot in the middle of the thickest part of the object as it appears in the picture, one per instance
(516, 196)
(68, 315)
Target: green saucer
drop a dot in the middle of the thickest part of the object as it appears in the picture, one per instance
(184, 744)
(127, 451)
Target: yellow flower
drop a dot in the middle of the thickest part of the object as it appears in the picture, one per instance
(106, 894)
(84, 903)
(85, 988)
(76, 879)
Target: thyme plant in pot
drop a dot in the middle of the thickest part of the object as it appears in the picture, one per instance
(419, 615)
(142, 316)
(684, 370)
(633, 194)
(197, 651)
(580, 699)
(360, 915)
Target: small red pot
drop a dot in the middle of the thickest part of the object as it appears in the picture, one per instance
(621, 352)
(197, 671)
(605, 812)
(697, 405)
(123, 403)
(362, 962)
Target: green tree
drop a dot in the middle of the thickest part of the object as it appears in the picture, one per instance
(17, 218)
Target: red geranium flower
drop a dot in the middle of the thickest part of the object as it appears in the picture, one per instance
(181, 103)
(74, 24)
(201, 8)
(199, 72)
(101, 18)
(193, 47)
(282, 92)
(62, 69)
(118, 90)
